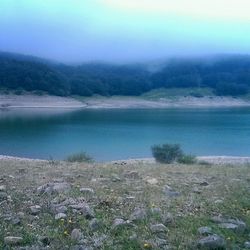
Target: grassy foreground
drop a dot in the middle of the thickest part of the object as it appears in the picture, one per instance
(182, 197)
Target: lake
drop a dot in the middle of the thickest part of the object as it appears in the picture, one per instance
(120, 134)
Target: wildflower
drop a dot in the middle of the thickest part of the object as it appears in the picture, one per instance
(66, 233)
(147, 245)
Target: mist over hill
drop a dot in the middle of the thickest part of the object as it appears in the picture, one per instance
(226, 75)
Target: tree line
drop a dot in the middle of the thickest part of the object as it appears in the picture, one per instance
(227, 75)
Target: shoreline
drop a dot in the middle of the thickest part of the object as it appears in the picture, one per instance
(9, 102)
(215, 160)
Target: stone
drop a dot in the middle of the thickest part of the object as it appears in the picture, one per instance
(235, 225)
(61, 209)
(15, 221)
(115, 178)
(76, 234)
(87, 211)
(170, 191)
(94, 224)
(205, 230)
(247, 244)
(156, 211)
(138, 214)
(87, 191)
(13, 241)
(204, 184)
(119, 223)
(158, 228)
(132, 175)
(35, 210)
(61, 187)
(2, 188)
(212, 242)
(167, 219)
(60, 216)
(196, 190)
(3, 196)
(152, 181)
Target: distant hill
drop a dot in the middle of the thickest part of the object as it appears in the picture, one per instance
(226, 75)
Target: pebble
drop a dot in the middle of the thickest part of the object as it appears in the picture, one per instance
(94, 224)
(35, 210)
(205, 230)
(247, 244)
(158, 228)
(60, 216)
(138, 214)
(13, 241)
(87, 191)
(152, 181)
(132, 175)
(170, 191)
(212, 242)
(76, 234)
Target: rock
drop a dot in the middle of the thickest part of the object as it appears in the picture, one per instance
(61, 187)
(99, 241)
(132, 175)
(138, 214)
(196, 190)
(81, 247)
(115, 178)
(167, 218)
(35, 210)
(212, 242)
(204, 184)
(94, 224)
(87, 211)
(247, 244)
(15, 221)
(170, 191)
(50, 188)
(229, 223)
(156, 211)
(3, 196)
(61, 209)
(13, 241)
(2, 188)
(152, 181)
(60, 216)
(87, 191)
(238, 226)
(158, 228)
(205, 230)
(76, 234)
(119, 223)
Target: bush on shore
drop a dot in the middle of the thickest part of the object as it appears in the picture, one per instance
(79, 157)
(169, 153)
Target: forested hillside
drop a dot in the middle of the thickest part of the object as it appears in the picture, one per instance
(228, 75)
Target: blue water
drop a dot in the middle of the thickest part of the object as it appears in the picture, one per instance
(120, 134)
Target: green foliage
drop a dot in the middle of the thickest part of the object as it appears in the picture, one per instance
(187, 159)
(79, 157)
(226, 76)
(167, 153)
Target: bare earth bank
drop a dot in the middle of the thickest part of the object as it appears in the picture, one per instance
(33, 101)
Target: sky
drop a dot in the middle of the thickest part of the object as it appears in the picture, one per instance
(124, 30)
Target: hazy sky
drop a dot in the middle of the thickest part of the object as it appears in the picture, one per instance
(124, 30)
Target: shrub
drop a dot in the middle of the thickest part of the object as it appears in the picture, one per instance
(187, 159)
(167, 153)
(79, 157)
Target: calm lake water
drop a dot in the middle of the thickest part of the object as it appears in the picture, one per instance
(121, 134)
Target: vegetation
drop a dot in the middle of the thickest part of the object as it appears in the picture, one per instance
(200, 194)
(228, 75)
(79, 157)
(169, 153)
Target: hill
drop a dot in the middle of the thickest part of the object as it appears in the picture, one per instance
(225, 75)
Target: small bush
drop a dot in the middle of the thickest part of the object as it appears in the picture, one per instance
(187, 159)
(167, 153)
(79, 157)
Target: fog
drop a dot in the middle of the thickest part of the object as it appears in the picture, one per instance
(124, 31)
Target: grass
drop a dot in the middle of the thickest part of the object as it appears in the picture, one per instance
(79, 157)
(177, 92)
(190, 210)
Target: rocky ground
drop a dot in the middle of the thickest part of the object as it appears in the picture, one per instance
(120, 205)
